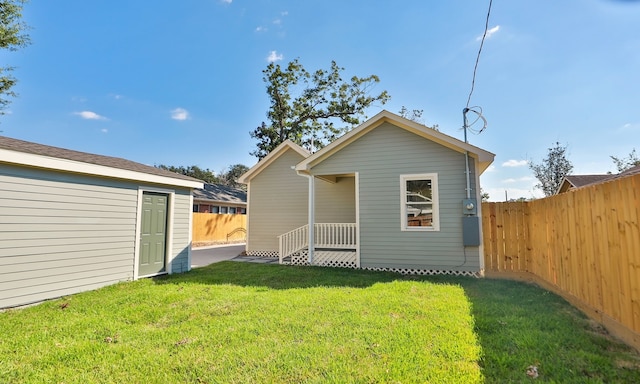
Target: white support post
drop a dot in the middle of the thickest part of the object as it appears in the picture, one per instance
(312, 228)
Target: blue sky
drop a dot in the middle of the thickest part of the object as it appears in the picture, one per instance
(180, 82)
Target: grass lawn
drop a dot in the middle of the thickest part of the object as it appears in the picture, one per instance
(251, 323)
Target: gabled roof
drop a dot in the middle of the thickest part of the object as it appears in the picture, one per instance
(271, 157)
(218, 193)
(483, 157)
(578, 181)
(36, 155)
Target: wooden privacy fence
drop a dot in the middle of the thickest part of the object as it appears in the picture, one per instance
(213, 227)
(583, 245)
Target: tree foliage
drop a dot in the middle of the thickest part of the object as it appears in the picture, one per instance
(307, 106)
(205, 175)
(12, 37)
(231, 176)
(552, 170)
(415, 115)
(624, 163)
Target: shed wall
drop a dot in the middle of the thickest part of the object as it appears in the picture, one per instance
(380, 157)
(181, 242)
(61, 233)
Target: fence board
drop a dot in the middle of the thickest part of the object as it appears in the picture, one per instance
(584, 243)
(213, 227)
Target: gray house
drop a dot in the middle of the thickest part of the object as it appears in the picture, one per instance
(73, 221)
(218, 198)
(391, 194)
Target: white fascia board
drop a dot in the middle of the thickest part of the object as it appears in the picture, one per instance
(65, 165)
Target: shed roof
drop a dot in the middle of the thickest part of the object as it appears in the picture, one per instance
(483, 157)
(36, 155)
(219, 193)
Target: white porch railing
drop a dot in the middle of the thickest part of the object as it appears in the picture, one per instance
(293, 241)
(326, 235)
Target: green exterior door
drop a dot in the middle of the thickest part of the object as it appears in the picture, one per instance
(153, 234)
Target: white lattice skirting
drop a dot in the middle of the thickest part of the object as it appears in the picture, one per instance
(347, 259)
(275, 254)
(427, 272)
(337, 259)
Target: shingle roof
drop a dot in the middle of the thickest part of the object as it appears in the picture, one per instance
(67, 154)
(221, 193)
(578, 181)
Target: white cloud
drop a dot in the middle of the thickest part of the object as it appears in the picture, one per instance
(261, 29)
(284, 13)
(490, 32)
(104, 130)
(89, 115)
(180, 114)
(515, 163)
(274, 56)
(227, 1)
(629, 127)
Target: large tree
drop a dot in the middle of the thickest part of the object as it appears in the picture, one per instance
(205, 175)
(552, 170)
(624, 163)
(12, 37)
(306, 107)
(231, 176)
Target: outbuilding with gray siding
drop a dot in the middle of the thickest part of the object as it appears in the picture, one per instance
(72, 221)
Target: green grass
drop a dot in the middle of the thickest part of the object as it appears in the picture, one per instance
(251, 323)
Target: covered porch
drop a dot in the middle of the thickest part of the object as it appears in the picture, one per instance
(329, 245)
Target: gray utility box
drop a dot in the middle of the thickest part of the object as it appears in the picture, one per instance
(471, 231)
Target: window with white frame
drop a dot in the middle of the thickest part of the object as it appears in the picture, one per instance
(419, 205)
(232, 210)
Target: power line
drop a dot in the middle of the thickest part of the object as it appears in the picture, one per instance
(475, 68)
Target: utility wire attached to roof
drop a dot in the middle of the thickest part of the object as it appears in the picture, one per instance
(475, 68)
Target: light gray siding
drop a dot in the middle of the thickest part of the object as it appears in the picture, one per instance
(62, 233)
(335, 202)
(380, 157)
(278, 199)
(181, 235)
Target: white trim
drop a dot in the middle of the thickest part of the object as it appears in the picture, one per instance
(312, 218)
(65, 165)
(357, 192)
(485, 158)
(169, 229)
(435, 202)
(270, 158)
(248, 222)
(479, 213)
(190, 233)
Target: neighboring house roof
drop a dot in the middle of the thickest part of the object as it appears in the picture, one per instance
(218, 193)
(483, 157)
(631, 171)
(270, 158)
(576, 181)
(44, 156)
